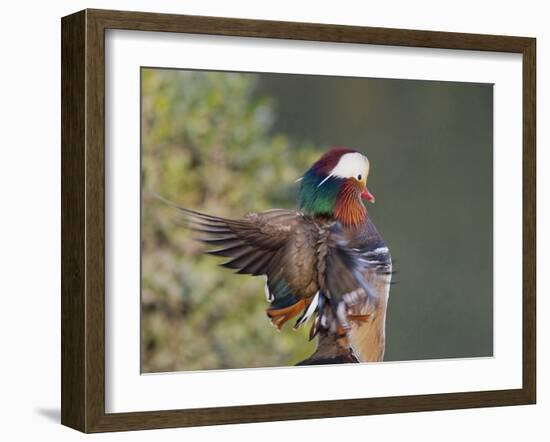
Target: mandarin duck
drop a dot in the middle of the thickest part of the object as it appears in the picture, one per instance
(325, 261)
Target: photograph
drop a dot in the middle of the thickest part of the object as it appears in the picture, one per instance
(292, 220)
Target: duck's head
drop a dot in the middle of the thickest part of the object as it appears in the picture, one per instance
(336, 185)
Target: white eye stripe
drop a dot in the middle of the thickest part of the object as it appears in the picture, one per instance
(321, 183)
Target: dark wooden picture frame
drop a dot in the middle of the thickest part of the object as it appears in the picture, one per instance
(83, 220)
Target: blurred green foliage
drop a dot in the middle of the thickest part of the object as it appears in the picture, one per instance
(206, 145)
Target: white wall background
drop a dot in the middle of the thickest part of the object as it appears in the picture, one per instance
(30, 217)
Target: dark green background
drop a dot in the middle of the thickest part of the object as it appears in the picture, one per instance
(430, 145)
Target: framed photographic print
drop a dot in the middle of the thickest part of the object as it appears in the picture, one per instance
(269, 220)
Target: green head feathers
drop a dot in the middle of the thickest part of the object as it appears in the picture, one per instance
(315, 198)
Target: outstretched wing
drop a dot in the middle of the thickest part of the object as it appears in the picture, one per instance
(252, 243)
(279, 244)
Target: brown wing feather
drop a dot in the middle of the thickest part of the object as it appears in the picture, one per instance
(251, 242)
